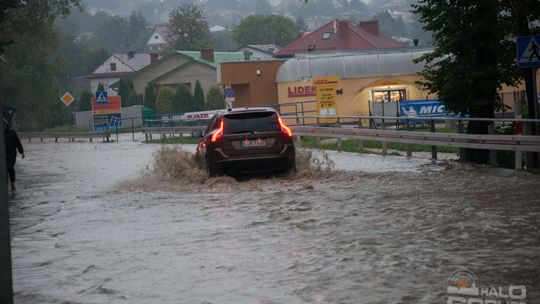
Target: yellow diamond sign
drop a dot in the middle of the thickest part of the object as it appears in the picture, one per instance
(67, 98)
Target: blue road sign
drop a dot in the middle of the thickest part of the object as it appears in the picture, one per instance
(229, 92)
(101, 97)
(528, 51)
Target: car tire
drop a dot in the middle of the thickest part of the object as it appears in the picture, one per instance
(211, 169)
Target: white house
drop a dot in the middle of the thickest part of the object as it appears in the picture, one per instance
(117, 66)
(159, 42)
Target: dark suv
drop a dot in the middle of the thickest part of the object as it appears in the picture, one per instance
(246, 140)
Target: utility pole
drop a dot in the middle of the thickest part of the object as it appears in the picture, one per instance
(6, 281)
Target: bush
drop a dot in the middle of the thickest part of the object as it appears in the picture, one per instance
(184, 100)
(165, 101)
(214, 100)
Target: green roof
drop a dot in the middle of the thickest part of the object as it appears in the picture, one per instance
(219, 57)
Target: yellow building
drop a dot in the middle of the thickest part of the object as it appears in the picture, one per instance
(371, 83)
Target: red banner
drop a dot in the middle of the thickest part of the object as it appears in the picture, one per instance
(112, 106)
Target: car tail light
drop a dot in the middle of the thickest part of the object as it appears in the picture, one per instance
(286, 130)
(217, 135)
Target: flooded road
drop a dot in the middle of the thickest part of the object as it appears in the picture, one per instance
(103, 223)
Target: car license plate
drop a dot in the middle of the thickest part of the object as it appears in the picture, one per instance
(248, 143)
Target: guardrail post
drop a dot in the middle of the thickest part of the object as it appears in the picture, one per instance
(340, 144)
(433, 148)
(461, 130)
(132, 130)
(492, 153)
(360, 145)
(318, 141)
(518, 155)
(408, 148)
(384, 148)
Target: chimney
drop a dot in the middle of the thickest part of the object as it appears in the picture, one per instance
(131, 54)
(415, 41)
(153, 58)
(207, 54)
(370, 26)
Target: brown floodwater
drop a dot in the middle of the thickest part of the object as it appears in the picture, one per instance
(133, 223)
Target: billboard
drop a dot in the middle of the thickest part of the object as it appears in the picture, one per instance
(107, 115)
(325, 87)
(422, 108)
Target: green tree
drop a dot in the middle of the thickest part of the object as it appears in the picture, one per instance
(123, 91)
(265, 29)
(74, 60)
(468, 68)
(100, 87)
(300, 23)
(523, 16)
(16, 16)
(198, 97)
(188, 28)
(165, 101)
(134, 99)
(223, 41)
(214, 100)
(184, 100)
(138, 32)
(27, 71)
(150, 96)
(85, 101)
(390, 26)
(127, 93)
(117, 43)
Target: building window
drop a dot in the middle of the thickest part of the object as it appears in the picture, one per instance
(326, 36)
(156, 37)
(389, 95)
(112, 66)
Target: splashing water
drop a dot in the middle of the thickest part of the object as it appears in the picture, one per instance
(175, 169)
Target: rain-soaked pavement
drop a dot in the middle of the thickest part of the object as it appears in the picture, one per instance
(94, 223)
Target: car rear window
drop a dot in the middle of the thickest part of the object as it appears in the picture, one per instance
(250, 122)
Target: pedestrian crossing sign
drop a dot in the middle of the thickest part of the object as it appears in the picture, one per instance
(528, 51)
(101, 97)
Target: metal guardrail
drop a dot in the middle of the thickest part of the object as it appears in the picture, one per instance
(389, 119)
(475, 141)
(164, 131)
(69, 135)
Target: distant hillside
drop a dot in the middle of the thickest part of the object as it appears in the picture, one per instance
(229, 12)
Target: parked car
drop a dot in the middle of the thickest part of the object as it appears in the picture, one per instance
(246, 140)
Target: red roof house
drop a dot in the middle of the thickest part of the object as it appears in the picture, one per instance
(340, 35)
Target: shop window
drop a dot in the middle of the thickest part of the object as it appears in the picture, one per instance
(390, 95)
